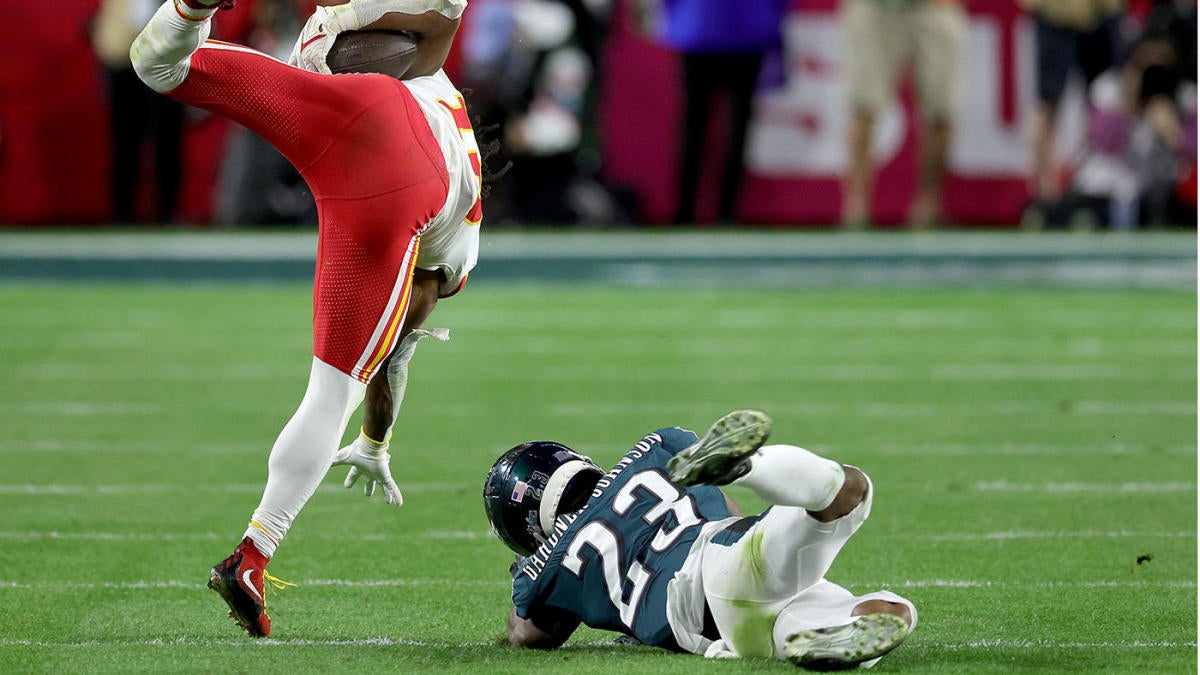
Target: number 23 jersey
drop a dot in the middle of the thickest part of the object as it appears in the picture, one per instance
(610, 562)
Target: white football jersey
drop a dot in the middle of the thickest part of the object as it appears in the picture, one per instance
(451, 240)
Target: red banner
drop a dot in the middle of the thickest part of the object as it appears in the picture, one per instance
(797, 149)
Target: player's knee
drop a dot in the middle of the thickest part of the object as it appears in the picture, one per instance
(854, 492)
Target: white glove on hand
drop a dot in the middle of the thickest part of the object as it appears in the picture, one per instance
(322, 28)
(370, 461)
(316, 39)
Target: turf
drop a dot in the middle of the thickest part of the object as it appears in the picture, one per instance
(1033, 452)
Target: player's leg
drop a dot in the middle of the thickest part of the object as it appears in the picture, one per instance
(870, 78)
(299, 460)
(361, 298)
(698, 93)
(299, 112)
(939, 30)
(362, 291)
(754, 566)
(828, 628)
(732, 451)
(744, 70)
(130, 103)
(168, 156)
(1055, 57)
(301, 455)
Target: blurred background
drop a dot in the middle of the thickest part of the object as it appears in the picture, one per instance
(1068, 114)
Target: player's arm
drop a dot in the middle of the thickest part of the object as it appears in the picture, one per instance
(433, 22)
(295, 110)
(549, 629)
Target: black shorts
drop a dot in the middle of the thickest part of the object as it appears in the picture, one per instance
(1061, 50)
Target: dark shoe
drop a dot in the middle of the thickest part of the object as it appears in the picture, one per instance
(719, 456)
(240, 581)
(844, 647)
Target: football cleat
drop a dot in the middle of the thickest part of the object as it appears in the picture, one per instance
(241, 580)
(844, 647)
(719, 457)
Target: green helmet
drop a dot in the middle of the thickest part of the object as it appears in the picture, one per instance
(530, 485)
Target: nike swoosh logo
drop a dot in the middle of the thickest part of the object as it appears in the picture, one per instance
(250, 585)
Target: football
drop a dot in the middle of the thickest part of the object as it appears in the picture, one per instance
(372, 51)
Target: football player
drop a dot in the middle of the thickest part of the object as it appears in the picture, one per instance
(395, 171)
(650, 549)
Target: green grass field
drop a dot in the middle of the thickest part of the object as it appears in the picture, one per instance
(1033, 452)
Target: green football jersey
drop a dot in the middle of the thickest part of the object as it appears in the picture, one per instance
(610, 562)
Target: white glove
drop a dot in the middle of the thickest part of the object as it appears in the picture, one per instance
(322, 28)
(316, 38)
(369, 460)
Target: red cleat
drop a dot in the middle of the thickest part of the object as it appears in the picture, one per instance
(241, 580)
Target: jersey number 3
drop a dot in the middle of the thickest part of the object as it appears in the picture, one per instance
(606, 541)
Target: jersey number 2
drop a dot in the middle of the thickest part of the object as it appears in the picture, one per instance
(606, 541)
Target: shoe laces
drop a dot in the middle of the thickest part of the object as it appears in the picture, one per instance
(272, 582)
(275, 582)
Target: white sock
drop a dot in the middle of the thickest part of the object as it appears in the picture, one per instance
(792, 476)
(162, 52)
(303, 452)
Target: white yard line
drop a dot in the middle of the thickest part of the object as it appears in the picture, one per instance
(403, 642)
(139, 585)
(1047, 644)
(921, 449)
(1081, 534)
(101, 373)
(684, 407)
(55, 535)
(886, 409)
(75, 489)
(142, 585)
(81, 408)
(978, 372)
(92, 446)
(110, 536)
(953, 583)
(1092, 488)
(1032, 449)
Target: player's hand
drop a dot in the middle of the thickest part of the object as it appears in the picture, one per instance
(370, 461)
(512, 569)
(321, 30)
(315, 40)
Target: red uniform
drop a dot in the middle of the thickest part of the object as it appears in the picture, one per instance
(376, 170)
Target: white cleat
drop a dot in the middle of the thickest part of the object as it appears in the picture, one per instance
(719, 456)
(843, 647)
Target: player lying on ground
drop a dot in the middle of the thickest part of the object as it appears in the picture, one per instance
(650, 548)
(395, 171)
